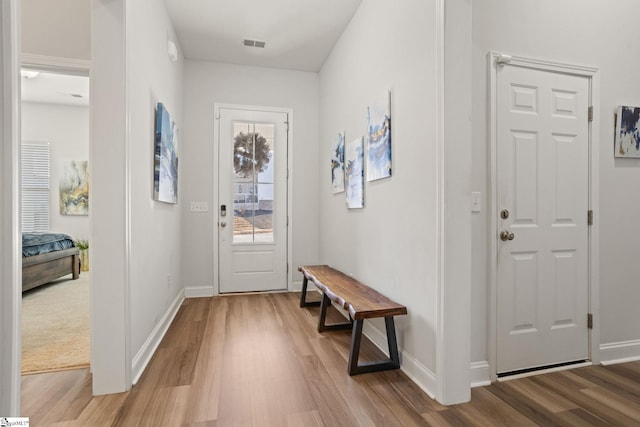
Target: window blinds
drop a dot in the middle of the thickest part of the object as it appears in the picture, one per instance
(35, 186)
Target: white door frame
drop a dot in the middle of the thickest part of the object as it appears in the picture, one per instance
(11, 271)
(54, 64)
(496, 60)
(216, 195)
(10, 282)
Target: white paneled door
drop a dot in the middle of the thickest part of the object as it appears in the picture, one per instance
(542, 200)
(252, 173)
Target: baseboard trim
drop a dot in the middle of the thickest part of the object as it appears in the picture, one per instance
(413, 368)
(199, 292)
(619, 352)
(143, 357)
(419, 374)
(480, 375)
(296, 286)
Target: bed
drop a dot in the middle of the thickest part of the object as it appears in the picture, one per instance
(46, 257)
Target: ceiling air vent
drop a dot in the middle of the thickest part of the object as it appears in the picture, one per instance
(254, 43)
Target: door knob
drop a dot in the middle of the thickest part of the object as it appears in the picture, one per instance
(506, 235)
(223, 224)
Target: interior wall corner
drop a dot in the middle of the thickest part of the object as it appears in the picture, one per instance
(454, 62)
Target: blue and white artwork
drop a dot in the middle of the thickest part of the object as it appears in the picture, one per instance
(354, 173)
(165, 173)
(337, 165)
(379, 139)
(628, 132)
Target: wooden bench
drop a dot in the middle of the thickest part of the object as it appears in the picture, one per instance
(361, 302)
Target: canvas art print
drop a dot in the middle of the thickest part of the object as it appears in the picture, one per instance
(165, 173)
(628, 132)
(354, 173)
(379, 139)
(74, 188)
(337, 165)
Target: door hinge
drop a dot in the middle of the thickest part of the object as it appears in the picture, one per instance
(590, 217)
(589, 321)
(287, 220)
(590, 113)
(287, 267)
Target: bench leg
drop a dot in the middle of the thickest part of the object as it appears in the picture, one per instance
(303, 295)
(326, 303)
(380, 365)
(75, 268)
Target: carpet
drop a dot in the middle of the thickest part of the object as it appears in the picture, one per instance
(55, 326)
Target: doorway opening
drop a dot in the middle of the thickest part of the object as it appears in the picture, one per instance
(55, 151)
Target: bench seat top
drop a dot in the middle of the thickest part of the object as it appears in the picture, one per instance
(361, 301)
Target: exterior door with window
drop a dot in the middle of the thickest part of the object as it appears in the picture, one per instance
(542, 203)
(252, 174)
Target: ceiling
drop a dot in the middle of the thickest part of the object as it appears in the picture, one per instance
(299, 34)
(51, 88)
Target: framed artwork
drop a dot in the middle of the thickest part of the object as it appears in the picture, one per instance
(354, 173)
(74, 188)
(379, 138)
(337, 165)
(627, 143)
(165, 167)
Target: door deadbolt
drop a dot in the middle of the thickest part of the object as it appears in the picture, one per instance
(507, 235)
(504, 214)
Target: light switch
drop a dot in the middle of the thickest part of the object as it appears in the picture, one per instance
(476, 201)
(199, 207)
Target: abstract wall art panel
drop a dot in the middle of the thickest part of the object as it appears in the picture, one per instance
(165, 171)
(354, 173)
(379, 138)
(74, 188)
(337, 164)
(627, 142)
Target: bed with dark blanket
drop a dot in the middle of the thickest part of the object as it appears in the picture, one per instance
(46, 257)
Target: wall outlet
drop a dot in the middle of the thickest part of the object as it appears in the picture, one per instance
(199, 207)
(476, 201)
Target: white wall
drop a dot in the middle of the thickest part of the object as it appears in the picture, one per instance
(207, 83)
(155, 226)
(67, 130)
(136, 252)
(391, 244)
(60, 28)
(591, 33)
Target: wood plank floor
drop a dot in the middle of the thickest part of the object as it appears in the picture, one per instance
(257, 360)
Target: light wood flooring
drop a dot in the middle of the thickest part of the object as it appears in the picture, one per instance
(257, 360)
